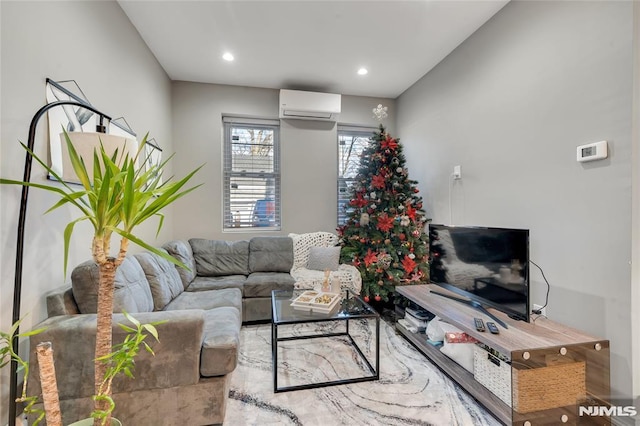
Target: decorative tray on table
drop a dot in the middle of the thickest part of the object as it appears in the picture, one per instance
(316, 301)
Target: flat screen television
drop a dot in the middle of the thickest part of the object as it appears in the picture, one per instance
(489, 266)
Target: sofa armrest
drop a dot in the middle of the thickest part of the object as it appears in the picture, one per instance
(60, 301)
(176, 361)
(351, 277)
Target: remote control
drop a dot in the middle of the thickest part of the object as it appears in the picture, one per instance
(479, 324)
(492, 328)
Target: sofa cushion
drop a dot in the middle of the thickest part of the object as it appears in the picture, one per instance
(260, 284)
(217, 283)
(209, 299)
(131, 291)
(215, 258)
(324, 258)
(181, 250)
(270, 254)
(164, 280)
(221, 341)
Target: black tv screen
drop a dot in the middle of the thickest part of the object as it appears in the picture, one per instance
(487, 265)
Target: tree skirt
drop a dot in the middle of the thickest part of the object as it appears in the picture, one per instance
(411, 390)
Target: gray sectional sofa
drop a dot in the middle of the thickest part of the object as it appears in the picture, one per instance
(256, 267)
(187, 381)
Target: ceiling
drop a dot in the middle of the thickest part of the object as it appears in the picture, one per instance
(305, 44)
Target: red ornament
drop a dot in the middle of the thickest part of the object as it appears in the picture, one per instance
(408, 264)
(385, 223)
(416, 190)
(359, 201)
(389, 143)
(366, 299)
(402, 237)
(370, 258)
(378, 298)
(411, 212)
(377, 182)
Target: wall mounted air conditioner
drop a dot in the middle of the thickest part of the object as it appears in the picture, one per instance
(309, 105)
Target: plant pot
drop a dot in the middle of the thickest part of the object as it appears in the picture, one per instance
(89, 422)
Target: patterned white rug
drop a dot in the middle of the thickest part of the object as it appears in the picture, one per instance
(411, 390)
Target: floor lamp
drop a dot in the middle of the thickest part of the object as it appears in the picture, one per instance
(17, 287)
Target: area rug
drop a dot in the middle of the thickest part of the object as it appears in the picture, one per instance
(410, 391)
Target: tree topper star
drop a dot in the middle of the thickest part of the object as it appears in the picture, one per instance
(380, 112)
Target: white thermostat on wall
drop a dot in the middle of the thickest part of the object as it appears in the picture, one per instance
(592, 151)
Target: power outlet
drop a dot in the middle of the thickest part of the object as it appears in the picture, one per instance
(457, 172)
(543, 311)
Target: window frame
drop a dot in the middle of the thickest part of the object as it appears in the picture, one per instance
(228, 222)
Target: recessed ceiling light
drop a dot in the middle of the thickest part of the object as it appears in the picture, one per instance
(227, 57)
(363, 71)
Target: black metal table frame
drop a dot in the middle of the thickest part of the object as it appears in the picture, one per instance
(275, 339)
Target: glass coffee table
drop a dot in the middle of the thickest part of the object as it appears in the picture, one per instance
(330, 360)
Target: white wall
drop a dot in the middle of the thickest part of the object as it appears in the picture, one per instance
(510, 105)
(95, 44)
(635, 185)
(308, 156)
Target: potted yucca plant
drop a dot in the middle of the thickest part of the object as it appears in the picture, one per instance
(121, 360)
(8, 355)
(115, 198)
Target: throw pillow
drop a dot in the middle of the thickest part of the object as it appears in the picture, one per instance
(434, 330)
(462, 353)
(324, 258)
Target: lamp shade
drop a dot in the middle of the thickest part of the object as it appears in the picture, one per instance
(86, 143)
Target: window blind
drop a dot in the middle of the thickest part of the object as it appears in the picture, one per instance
(251, 174)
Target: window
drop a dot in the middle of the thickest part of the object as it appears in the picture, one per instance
(251, 174)
(351, 142)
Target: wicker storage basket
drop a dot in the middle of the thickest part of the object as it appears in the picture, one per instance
(493, 373)
(534, 389)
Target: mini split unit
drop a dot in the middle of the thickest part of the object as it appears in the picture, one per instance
(309, 105)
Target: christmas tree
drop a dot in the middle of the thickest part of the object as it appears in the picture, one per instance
(384, 233)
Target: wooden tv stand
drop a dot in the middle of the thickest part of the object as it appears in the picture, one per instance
(540, 353)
